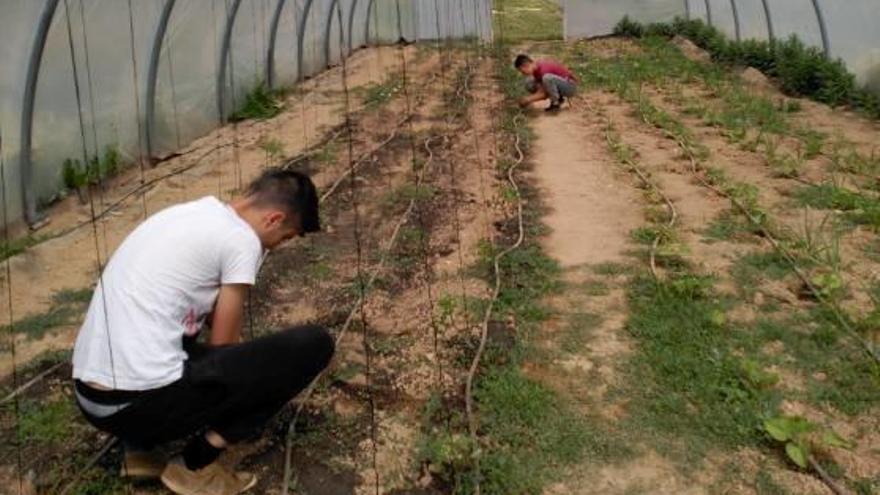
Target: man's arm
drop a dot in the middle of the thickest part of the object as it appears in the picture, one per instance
(538, 95)
(228, 315)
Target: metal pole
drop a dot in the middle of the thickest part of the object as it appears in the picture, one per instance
(153, 73)
(687, 9)
(736, 20)
(823, 28)
(369, 11)
(350, 24)
(224, 52)
(709, 12)
(29, 200)
(327, 33)
(770, 32)
(273, 35)
(300, 42)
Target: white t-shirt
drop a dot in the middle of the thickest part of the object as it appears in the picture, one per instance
(159, 286)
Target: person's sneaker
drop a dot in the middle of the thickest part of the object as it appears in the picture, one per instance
(213, 479)
(147, 464)
(553, 108)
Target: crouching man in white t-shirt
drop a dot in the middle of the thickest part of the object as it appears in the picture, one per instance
(139, 374)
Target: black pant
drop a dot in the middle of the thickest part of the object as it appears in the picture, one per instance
(232, 390)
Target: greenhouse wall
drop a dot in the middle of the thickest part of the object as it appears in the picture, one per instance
(147, 77)
(846, 30)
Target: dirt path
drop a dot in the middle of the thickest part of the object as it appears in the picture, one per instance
(591, 214)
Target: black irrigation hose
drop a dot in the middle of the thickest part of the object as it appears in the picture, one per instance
(496, 263)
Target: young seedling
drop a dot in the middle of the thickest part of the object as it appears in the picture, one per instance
(801, 439)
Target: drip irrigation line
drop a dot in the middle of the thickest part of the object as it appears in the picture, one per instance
(473, 426)
(16, 404)
(365, 289)
(634, 167)
(771, 238)
(30, 383)
(108, 444)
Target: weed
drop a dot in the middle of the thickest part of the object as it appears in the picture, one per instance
(687, 378)
(260, 103)
(47, 422)
(577, 330)
(77, 176)
(378, 94)
(66, 307)
(400, 197)
(273, 148)
(17, 246)
(857, 208)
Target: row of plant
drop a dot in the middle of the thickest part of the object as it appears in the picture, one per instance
(800, 69)
(527, 433)
(685, 335)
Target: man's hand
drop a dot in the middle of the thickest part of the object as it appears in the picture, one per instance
(228, 315)
(538, 95)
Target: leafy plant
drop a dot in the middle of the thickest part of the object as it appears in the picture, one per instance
(260, 103)
(801, 438)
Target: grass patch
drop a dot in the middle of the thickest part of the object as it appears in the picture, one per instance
(46, 422)
(260, 103)
(687, 380)
(858, 208)
(378, 94)
(66, 308)
(577, 331)
(17, 246)
(517, 20)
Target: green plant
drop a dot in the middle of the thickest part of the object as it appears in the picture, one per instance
(76, 176)
(47, 422)
(273, 148)
(377, 95)
(801, 438)
(260, 103)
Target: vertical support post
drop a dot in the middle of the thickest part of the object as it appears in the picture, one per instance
(29, 200)
(270, 50)
(153, 74)
(823, 28)
(709, 12)
(224, 53)
(771, 35)
(300, 41)
(736, 23)
(687, 9)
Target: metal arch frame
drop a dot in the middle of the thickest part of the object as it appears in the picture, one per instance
(300, 41)
(153, 73)
(823, 28)
(354, 4)
(736, 24)
(224, 52)
(35, 61)
(771, 35)
(273, 36)
(327, 29)
(369, 12)
(709, 12)
(687, 9)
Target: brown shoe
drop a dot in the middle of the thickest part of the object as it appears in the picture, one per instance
(146, 464)
(213, 479)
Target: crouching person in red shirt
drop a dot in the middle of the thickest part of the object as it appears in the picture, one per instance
(547, 79)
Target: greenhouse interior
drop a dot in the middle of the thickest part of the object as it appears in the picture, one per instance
(425, 247)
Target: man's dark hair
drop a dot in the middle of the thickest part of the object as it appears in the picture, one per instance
(293, 191)
(521, 60)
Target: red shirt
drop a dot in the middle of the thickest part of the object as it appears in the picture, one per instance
(551, 67)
